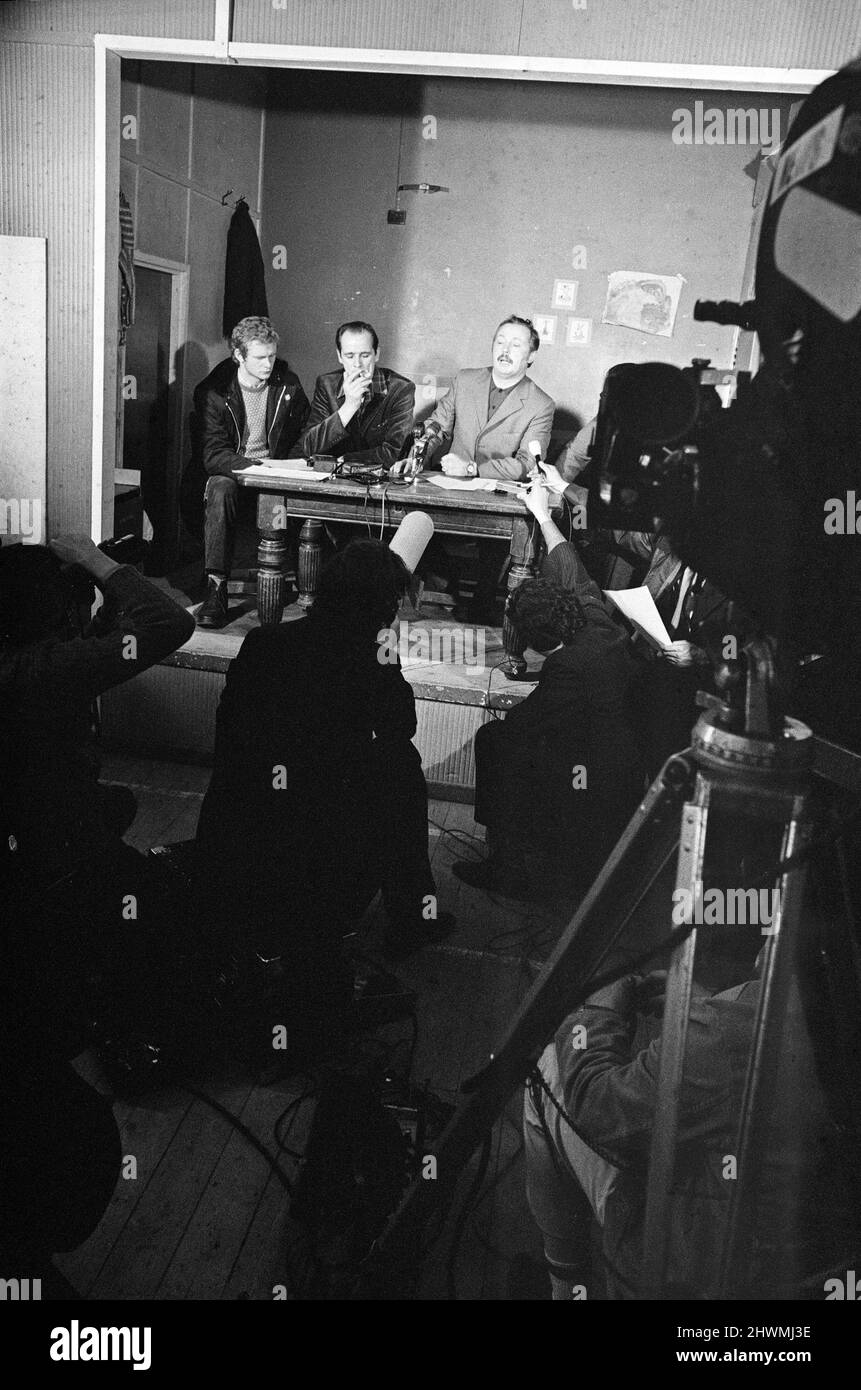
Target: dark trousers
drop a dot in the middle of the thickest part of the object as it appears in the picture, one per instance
(523, 794)
(293, 883)
(221, 505)
(225, 504)
(515, 786)
(492, 555)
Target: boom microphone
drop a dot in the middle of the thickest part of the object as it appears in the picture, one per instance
(411, 538)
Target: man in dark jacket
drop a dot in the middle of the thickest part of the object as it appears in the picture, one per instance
(74, 895)
(251, 407)
(362, 413)
(562, 773)
(317, 798)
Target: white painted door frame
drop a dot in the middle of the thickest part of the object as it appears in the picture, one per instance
(179, 272)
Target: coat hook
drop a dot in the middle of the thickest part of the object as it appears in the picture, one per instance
(225, 196)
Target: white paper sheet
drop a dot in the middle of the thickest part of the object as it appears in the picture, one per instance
(280, 469)
(457, 484)
(638, 606)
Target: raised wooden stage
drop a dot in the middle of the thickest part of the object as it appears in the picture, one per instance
(169, 711)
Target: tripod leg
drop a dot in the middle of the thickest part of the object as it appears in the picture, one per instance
(759, 1089)
(646, 847)
(674, 1032)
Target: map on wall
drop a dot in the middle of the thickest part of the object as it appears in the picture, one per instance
(636, 299)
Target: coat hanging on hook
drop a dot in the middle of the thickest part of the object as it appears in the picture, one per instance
(244, 280)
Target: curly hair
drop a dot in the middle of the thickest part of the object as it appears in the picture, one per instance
(361, 587)
(545, 614)
(251, 330)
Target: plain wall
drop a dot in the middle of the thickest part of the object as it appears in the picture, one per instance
(533, 171)
(47, 142)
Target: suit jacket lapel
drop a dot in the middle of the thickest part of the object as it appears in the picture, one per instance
(705, 604)
(512, 403)
(478, 401)
(374, 407)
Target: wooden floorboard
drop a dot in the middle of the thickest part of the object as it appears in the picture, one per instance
(206, 1218)
(204, 1259)
(150, 1239)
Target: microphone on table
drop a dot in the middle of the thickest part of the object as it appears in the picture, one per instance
(411, 538)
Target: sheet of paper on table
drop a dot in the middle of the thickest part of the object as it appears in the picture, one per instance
(638, 606)
(459, 484)
(280, 468)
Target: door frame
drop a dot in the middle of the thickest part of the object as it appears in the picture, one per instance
(179, 272)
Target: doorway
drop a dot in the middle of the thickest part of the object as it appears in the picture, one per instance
(150, 442)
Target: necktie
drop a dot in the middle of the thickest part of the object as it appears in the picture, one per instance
(684, 587)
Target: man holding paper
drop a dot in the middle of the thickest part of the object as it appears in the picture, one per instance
(559, 777)
(670, 598)
(670, 611)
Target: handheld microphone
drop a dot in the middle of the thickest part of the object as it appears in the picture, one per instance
(537, 470)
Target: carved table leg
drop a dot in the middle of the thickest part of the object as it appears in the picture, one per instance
(272, 553)
(525, 537)
(310, 552)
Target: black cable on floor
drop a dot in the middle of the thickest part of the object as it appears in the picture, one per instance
(243, 1130)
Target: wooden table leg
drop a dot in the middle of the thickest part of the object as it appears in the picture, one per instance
(310, 552)
(525, 539)
(272, 554)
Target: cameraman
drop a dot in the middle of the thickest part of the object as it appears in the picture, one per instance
(61, 834)
(64, 875)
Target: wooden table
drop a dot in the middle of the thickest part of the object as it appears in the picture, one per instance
(318, 500)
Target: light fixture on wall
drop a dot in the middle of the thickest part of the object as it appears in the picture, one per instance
(397, 215)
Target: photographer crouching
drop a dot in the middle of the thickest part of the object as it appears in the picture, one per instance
(76, 922)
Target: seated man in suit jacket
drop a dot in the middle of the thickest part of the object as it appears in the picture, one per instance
(361, 413)
(490, 415)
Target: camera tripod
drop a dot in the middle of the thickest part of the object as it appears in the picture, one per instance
(746, 762)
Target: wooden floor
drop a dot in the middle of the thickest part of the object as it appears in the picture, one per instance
(202, 1215)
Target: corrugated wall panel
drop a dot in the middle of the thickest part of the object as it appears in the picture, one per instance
(479, 26)
(46, 179)
(59, 21)
(749, 33)
(444, 738)
(167, 709)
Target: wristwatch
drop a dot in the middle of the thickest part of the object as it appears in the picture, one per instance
(472, 470)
